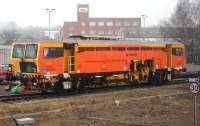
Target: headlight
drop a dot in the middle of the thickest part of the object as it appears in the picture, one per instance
(10, 68)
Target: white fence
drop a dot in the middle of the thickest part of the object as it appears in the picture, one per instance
(4, 54)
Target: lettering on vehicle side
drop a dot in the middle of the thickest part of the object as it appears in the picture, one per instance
(131, 54)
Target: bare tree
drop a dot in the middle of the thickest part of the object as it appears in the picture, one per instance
(30, 32)
(185, 24)
(9, 32)
(182, 16)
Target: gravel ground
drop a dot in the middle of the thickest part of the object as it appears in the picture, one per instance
(169, 105)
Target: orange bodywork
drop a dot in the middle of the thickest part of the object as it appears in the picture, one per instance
(92, 57)
(53, 65)
(100, 58)
(179, 62)
(118, 60)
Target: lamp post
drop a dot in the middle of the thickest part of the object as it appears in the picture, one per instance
(144, 18)
(49, 10)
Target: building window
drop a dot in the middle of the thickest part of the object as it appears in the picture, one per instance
(109, 32)
(100, 23)
(116, 32)
(71, 29)
(92, 23)
(126, 23)
(101, 32)
(83, 32)
(109, 23)
(135, 23)
(92, 32)
(83, 24)
(117, 23)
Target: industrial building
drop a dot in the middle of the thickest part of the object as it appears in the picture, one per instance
(86, 25)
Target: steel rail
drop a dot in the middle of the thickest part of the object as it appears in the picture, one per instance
(102, 89)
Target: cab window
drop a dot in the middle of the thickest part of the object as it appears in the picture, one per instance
(177, 51)
(18, 51)
(31, 51)
(53, 52)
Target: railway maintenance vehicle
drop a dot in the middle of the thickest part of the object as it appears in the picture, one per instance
(89, 61)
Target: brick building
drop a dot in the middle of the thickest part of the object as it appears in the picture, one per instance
(96, 26)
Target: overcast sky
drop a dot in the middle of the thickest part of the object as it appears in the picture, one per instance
(32, 12)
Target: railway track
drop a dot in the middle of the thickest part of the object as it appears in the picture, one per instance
(102, 89)
(26, 97)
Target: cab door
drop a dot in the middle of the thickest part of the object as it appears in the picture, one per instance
(175, 56)
(51, 59)
(178, 57)
(16, 56)
(69, 57)
(169, 55)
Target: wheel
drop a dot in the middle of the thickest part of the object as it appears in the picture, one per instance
(81, 87)
(154, 78)
(151, 77)
(59, 87)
